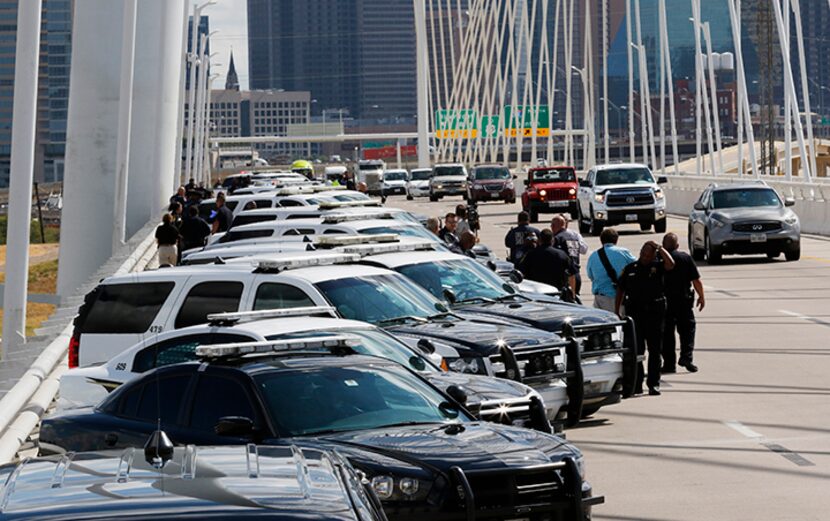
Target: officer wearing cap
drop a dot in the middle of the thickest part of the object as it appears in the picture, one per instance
(642, 287)
(680, 304)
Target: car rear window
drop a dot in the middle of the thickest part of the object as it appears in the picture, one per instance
(125, 308)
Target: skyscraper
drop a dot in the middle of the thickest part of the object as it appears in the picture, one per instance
(53, 88)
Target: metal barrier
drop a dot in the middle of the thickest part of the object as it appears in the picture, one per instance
(25, 403)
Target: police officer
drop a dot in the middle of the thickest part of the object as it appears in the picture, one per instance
(642, 287)
(549, 265)
(680, 303)
(519, 238)
(571, 243)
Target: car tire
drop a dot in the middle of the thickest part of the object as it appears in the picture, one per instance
(793, 255)
(644, 227)
(534, 216)
(595, 227)
(465, 197)
(589, 411)
(433, 198)
(583, 226)
(409, 197)
(773, 254)
(660, 226)
(510, 201)
(697, 254)
(713, 255)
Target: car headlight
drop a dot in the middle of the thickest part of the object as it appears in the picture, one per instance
(543, 193)
(580, 466)
(509, 185)
(439, 186)
(572, 191)
(600, 198)
(472, 365)
(477, 186)
(659, 194)
(388, 488)
(718, 221)
(791, 220)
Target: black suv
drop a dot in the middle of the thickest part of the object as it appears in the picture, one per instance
(423, 453)
(197, 483)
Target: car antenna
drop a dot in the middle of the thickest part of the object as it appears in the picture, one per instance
(158, 449)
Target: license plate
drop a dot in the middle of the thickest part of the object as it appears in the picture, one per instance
(758, 237)
(493, 195)
(631, 217)
(557, 204)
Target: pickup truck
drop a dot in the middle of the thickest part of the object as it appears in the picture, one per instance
(550, 190)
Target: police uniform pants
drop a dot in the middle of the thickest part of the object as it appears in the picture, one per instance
(648, 322)
(680, 316)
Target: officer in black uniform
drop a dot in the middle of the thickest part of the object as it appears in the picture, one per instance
(680, 304)
(641, 286)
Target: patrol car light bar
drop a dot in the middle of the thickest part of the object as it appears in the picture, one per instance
(334, 218)
(375, 249)
(304, 261)
(327, 188)
(275, 346)
(303, 311)
(348, 240)
(327, 205)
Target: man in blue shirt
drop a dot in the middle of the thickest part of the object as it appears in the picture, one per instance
(604, 273)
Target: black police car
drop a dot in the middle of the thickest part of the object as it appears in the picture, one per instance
(225, 482)
(423, 453)
(475, 292)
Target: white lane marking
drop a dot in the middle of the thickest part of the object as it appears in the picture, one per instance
(743, 429)
(806, 318)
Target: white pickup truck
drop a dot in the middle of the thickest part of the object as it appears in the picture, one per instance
(620, 194)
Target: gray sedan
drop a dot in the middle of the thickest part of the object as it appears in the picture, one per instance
(743, 219)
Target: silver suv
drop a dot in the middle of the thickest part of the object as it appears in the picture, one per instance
(743, 219)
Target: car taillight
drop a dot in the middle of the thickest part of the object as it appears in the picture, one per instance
(74, 344)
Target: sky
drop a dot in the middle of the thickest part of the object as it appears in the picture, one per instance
(229, 19)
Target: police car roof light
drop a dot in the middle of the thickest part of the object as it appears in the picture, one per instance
(305, 261)
(376, 249)
(334, 218)
(276, 346)
(349, 240)
(247, 316)
(348, 204)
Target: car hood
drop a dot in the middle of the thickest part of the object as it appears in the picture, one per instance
(542, 315)
(753, 214)
(396, 182)
(553, 184)
(443, 178)
(418, 182)
(480, 388)
(481, 337)
(479, 445)
(605, 188)
(491, 181)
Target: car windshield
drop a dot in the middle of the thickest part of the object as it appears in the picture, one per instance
(374, 342)
(624, 176)
(554, 175)
(370, 167)
(379, 298)
(340, 399)
(395, 176)
(465, 277)
(449, 170)
(752, 197)
(407, 231)
(421, 175)
(351, 197)
(488, 174)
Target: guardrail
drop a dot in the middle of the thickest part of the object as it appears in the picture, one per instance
(25, 403)
(812, 199)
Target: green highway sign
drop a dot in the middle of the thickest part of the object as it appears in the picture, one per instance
(521, 119)
(489, 127)
(456, 123)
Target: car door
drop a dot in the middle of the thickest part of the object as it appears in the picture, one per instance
(223, 393)
(698, 218)
(586, 193)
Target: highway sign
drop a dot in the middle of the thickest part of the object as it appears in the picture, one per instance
(462, 123)
(489, 127)
(521, 118)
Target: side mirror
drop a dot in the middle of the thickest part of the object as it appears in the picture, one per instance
(789, 201)
(699, 207)
(585, 183)
(515, 176)
(662, 180)
(426, 346)
(516, 276)
(449, 296)
(234, 426)
(457, 393)
(526, 181)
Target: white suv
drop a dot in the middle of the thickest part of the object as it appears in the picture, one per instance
(620, 194)
(448, 180)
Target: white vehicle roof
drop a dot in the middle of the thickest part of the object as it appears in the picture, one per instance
(600, 168)
(395, 170)
(396, 260)
(244, 250)
(317, 274)
(448, 164)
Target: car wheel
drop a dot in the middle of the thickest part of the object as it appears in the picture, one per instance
(793, 255)
(409, 197)
(660, 226)
(589, 411)
(534, 216)
(697, 254)
(713, 255)
(644, 227)
(433, 198)
(583, 226)
(773, 254)
(510, 201)
(595, 226)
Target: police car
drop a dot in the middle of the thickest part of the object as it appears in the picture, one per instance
(290, 197)
(123, 309)
(311, 212)
(474, 291)
(490, 399)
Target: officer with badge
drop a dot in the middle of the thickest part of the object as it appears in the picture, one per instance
(680, 307)
(642, 288)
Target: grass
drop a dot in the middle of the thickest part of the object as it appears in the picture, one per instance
(42, 279)
(51, 232)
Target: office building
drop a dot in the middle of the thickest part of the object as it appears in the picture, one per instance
(53, 88)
